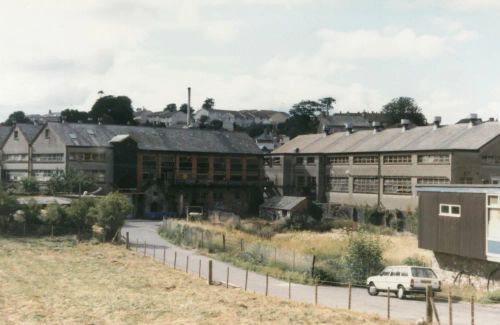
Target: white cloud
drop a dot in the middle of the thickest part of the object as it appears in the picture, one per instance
(381, 44)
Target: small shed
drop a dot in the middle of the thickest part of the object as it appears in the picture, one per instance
(279, 207)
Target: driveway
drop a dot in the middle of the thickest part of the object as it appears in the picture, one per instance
(337, 297)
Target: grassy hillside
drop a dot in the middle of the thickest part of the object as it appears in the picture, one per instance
(58, 281)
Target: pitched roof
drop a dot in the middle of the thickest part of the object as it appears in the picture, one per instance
(424, 138)
(4, 133)
(283, 202)
(157, 139)
(30, 131)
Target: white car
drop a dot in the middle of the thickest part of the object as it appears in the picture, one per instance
(403, 280)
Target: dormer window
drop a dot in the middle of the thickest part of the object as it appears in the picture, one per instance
(47, 134)
(16, 135)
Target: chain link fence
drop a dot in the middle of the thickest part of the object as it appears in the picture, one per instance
(262, 256)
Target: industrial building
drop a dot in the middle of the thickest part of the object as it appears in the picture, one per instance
(381, 167)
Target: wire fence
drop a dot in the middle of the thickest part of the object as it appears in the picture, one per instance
(259, 255)
(19, 229)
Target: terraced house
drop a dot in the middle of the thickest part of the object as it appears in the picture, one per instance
(162, 169)
(383, 166)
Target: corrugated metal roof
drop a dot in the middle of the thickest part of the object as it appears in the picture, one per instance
(158, 139)
(424, 138)
(283, 202)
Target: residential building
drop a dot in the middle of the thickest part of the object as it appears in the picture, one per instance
(383, 166)
(165, 118)
(44, 118)
(357, 121)
(242, 118)
(162, 169)
(17, 151)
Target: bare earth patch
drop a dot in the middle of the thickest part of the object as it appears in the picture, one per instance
(55, 282)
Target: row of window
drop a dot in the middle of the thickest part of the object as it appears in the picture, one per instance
(366, 160)
(44, 175)
(87, 156)
(370, 184)
(51, 157)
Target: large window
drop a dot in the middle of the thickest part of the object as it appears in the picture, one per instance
(276, 161)
(311, 161)
(397, 160)
(15, 158)
(339, 184)
(45, 175)
(185, 164)
(219, 169)
(338, 160)
(202, 168)
(148, 167)
(397, 185)
(54, 157)
(365, 185)
(15, 175)
(236, 169)
(433, 180)
(365, 160)
(434, 159)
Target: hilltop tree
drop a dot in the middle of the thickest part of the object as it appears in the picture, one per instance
(17, 117)
(328, 104)
(303, 118)
(403, 108)
(74, 116)
(113, 109)
(172, 107)
(183, 108)
(208, 104)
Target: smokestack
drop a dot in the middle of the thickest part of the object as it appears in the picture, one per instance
(188, 122)
(376, 126)
(473, 120)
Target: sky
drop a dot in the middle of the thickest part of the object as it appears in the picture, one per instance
(252, 54)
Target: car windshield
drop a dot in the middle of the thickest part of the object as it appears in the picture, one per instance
(422, 272)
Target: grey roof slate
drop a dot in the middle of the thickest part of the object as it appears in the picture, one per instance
(158, 139)
(4, 133)
(424, 138)
(30, 131)
(283, 202)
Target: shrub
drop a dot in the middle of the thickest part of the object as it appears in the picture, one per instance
(374, 215)
(54, 214)
(110, 213)
(78, 213)
(412, 222)
(415, 260)
(492, 297)
(29, 185)
(32, 211)
(8, 205)
(363, 257)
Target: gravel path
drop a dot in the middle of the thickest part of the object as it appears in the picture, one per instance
(406, 310)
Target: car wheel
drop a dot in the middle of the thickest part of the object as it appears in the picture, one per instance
(372, 290)
(401, 292)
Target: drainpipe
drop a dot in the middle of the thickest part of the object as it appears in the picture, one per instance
(379, 177)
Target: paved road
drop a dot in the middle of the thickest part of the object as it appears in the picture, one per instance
(337, 297)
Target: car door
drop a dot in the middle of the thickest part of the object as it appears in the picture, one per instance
(383, 279)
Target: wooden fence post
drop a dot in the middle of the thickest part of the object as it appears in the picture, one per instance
(289, 288)
(144, 248)
(209, 272)
(227, 278)
(199, 269)
(154, 252)
(164, 253)
(350, 297)
(24, 229)
(241, 245)
(388, 303)
(267, 283)
(275, 255)
(312, 266)
(293, 264)
(428, 304)
(202, 232)
(450, 310)
(175, 259)
(223, 242)
(472, 319)
(51, 230)
(316, 294)
(187, 263)
(246, 279)
(127, 240)
(137, 246)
